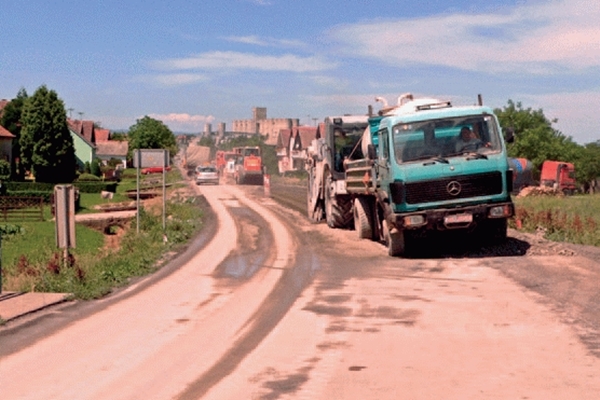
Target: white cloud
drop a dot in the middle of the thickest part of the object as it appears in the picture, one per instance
(541, 38)
(184, 122)
(233, 60)
(265, 41)
(178, 79)
(577, 113)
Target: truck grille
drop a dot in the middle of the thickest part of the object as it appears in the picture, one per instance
(438, 190)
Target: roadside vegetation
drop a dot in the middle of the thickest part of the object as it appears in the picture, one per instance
(99, 263)
(573, 219)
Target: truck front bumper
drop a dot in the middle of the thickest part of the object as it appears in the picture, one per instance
(466, 218)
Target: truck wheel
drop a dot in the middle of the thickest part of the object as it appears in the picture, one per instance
(394, 241)
(338, 209)
(363, 221)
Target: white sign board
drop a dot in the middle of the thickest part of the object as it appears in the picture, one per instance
(150, 158)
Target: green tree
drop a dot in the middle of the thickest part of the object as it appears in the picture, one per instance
(95, 167)
(587, 166)
(118, 136)
(535, 138)
(46, 143)
(149, 133)
(11, 120)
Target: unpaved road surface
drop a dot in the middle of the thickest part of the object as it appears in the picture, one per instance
(274, 307)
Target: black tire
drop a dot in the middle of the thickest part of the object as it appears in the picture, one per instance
(394, 241)
(315, 214)
(363, 218)
(338, 209)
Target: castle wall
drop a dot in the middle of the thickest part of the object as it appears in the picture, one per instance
(264, 126)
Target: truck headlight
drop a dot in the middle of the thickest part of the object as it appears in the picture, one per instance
(503, 211)
(414, 220)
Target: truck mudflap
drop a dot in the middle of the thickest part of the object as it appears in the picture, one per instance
(467, 218)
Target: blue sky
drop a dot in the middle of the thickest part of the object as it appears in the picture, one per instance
(188, 63)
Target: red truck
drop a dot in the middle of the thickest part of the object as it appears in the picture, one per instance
(248, 166)
(559, 175)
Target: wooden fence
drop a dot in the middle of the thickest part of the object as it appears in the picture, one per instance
(13, 208)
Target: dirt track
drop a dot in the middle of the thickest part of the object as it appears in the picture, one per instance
(276, 307)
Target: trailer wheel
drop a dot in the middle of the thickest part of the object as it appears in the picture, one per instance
(338, 209)
(314, 208)
(394, 240)
(363, 218)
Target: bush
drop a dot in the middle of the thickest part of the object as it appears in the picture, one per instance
(88, 178)
(96, 187)
(95, 167)
(4, 170)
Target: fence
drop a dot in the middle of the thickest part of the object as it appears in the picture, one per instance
(13, 208)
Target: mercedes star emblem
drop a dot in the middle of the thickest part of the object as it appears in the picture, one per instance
(453, 188)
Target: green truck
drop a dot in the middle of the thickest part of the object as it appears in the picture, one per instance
(414, 170)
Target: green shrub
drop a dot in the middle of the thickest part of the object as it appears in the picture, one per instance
(4, 170)
(96, 187)
(88, 178)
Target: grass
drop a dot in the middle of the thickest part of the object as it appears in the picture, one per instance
(573, 219)
(32, 262)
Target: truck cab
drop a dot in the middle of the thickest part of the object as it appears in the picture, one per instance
(442, 168)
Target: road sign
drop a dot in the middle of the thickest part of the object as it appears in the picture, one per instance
(150, 158)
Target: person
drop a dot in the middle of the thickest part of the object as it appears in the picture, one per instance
(467, 140)
(342, 141)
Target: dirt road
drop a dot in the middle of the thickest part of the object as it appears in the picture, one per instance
(274, 307)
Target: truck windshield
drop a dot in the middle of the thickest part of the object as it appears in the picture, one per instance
(444, 138)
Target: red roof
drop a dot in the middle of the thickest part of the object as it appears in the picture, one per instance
(112, 148)
(85, 129)
(283, 139)
(304, 135)
(102, 135)
(5, 134)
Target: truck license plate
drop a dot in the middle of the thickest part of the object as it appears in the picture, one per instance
(458, 219)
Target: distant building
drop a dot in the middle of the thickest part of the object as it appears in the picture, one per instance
(291, 147)
(6, 138)
(91, 142)
(261, 125)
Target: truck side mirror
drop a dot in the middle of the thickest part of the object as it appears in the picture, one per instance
(509, 135)
(371, 152)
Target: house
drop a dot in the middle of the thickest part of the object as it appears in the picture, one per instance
(301, 139)
(282, 149)
(112, 149)
(83, 136)
(92, 143)
(107, 149)
(6, 139)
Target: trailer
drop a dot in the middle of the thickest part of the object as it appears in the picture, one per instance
(417, 168)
